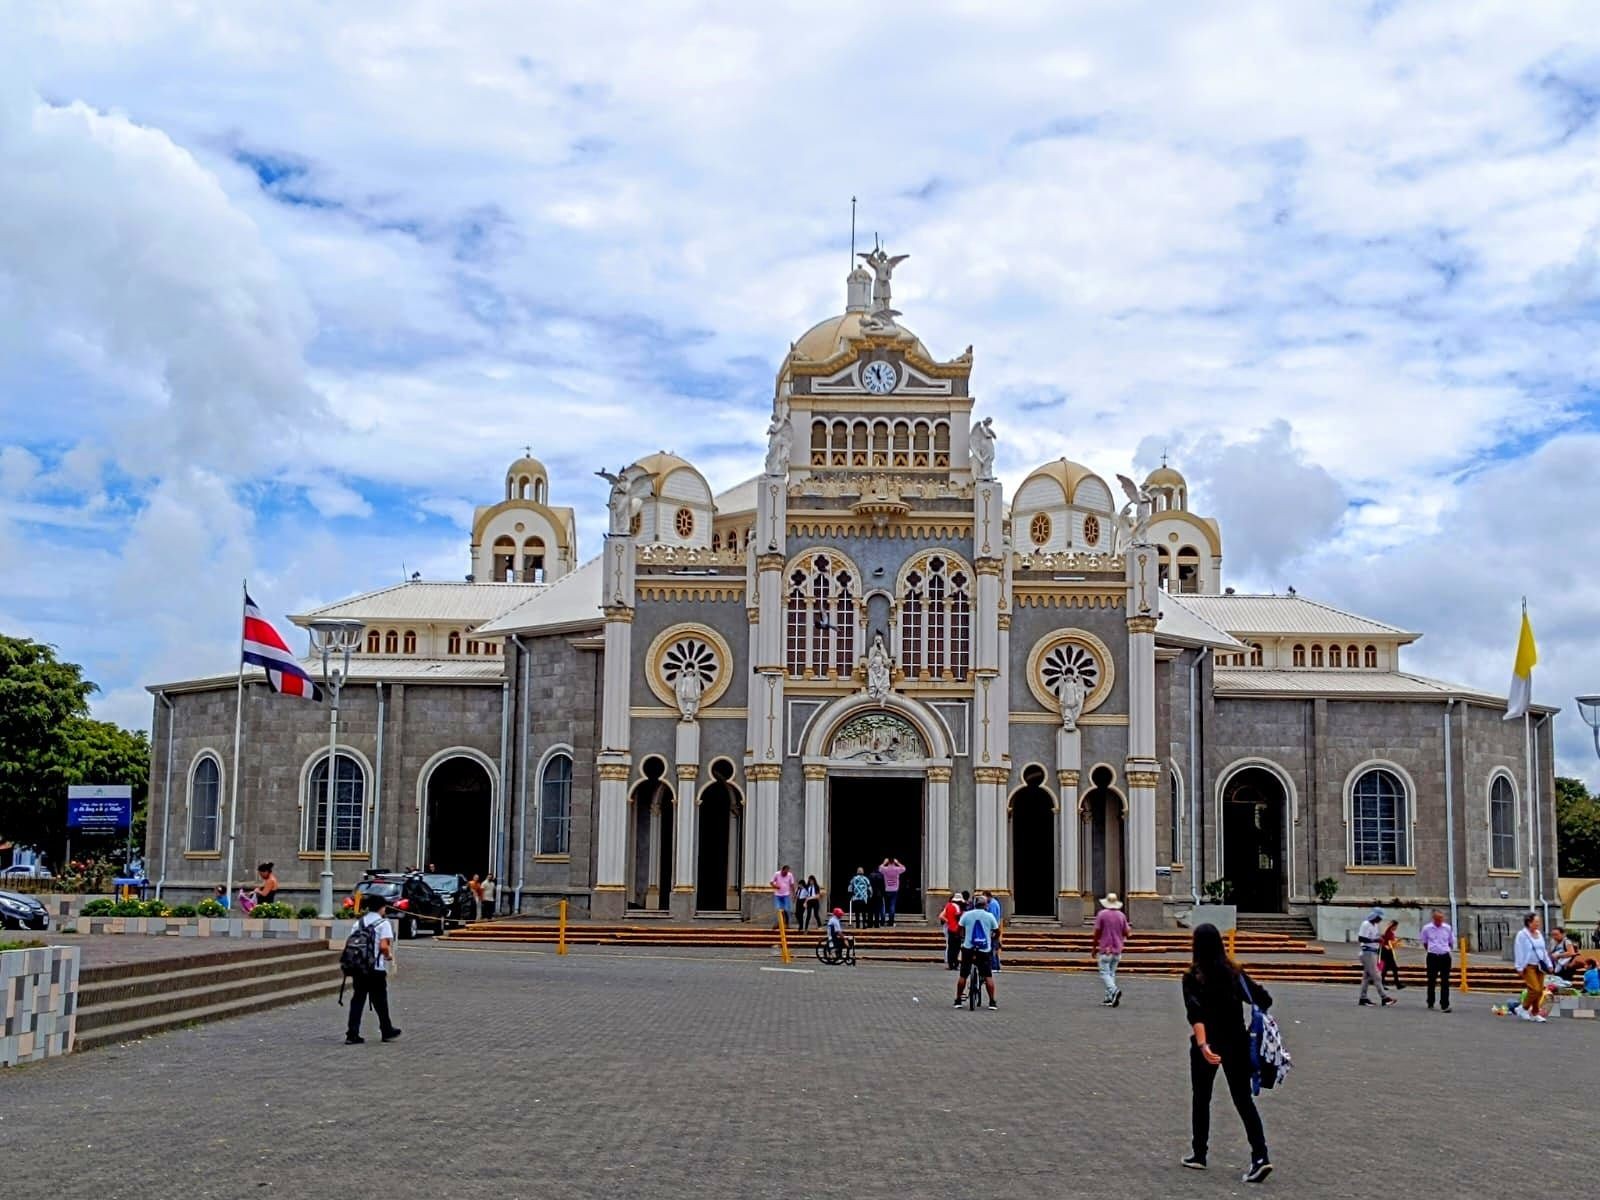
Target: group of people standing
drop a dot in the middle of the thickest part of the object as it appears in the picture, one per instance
(874, 896)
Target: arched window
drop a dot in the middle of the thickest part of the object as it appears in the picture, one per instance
(1163, 567)
(410, 641)
(1316, 656)
(880, 443)
(901, 454)
(1299, 656)
(936, 618)
(1335, 656)
(539, 494)
(1502, 824)
(205, 806)
(1379, 824)
(1352, 656)
(1188, 570)
(1175, 787)
(349, 806)
(373, 641)
(1372, 658)
(716, 540)
(919, 444)
(505, 559)
(820, 616)
(533, 560)
(819, 443)
(941, 443)
(555, 806)
(391, 642)
(455, 642)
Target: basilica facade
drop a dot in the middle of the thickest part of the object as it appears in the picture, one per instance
(870, 650)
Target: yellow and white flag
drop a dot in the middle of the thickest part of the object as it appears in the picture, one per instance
(1521, 694)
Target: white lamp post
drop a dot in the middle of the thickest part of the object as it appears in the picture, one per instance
(327, 636)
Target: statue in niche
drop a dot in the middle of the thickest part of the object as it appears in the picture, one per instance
(688, 688)
(1071, 693)
(780, 444)
(879, 674)
(981, 449)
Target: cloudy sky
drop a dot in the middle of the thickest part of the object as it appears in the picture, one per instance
(283, 287)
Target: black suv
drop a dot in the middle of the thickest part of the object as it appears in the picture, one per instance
(419, 900)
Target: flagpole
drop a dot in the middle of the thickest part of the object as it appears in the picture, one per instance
(238, 724)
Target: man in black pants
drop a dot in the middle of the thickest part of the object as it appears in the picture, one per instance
(1438, 939)
(373, 985)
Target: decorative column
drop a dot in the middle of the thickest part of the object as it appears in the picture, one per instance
(613, 762)
(938, 830)
(764, 765)
(685, 832)
(652, 872)
(1069, 821)
(991, 790)
(991, 753)
(816, 819)
(1142, 771)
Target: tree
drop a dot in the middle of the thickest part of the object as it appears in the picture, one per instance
(1577, 829)
(48, 742)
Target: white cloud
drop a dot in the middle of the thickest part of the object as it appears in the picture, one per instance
(18, 470)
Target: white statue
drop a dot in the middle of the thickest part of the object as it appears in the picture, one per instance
(1070, 692)
(1133, 522)
(780, 444)
(630, 484)
(882, 268)
(688, 688)
(879, 676)
(981, 448)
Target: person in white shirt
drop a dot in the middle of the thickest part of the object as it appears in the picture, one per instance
(1370, 935)
(491, 893)
(373, 986)
(1533, 962)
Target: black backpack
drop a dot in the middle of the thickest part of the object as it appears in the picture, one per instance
(360, 954)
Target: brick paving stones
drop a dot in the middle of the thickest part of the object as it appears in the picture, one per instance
(612, 1074)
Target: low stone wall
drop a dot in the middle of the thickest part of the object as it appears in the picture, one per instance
(314, 929)
(40, 1016)
(1584, 1008)
(61, 905)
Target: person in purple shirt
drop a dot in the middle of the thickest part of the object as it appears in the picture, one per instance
(1110, 932)
(892, 869)
(1437, 940)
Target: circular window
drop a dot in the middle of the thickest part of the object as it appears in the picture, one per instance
(689, 648)
(1039, 528)
(1070, 653)
(1091, 530)
(683, 522)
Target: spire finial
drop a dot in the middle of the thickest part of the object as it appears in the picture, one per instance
(527, 452)
(852, 231)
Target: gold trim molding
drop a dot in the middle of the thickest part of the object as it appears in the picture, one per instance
(1141, 624)
(1143, 779)
(814, 771)
(999, 775)
(651, 588)
(1063, 595)
(613, 772)
(938, 774)
(764, 772)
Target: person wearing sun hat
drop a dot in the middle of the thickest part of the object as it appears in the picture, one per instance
(1110, 932)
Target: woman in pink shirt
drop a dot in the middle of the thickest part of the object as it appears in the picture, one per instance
(892, 869)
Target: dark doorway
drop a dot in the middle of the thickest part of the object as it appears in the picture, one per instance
(650, 835)
(1106, 842)
(1252, 840)
(721, 813)
(869, 820)
(460, 795)
(1033, 839)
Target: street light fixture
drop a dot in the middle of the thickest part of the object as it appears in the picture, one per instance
(1589, 707)
(328, 636)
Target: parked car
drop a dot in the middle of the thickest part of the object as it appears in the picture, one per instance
(22, 912)
(28, 871)
(418, 900)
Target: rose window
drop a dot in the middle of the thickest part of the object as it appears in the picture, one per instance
(1039, 528)
(690, 654)
(683, 522)
(1069, 660)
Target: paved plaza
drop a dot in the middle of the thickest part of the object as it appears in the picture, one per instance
(613, 1074)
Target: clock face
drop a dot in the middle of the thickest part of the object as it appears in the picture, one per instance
(879, 377)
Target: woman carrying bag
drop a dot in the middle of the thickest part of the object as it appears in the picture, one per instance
(1215, 991)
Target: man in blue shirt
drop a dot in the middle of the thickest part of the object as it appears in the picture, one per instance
(978, 929)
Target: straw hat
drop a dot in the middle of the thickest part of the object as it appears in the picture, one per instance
(1111, 901)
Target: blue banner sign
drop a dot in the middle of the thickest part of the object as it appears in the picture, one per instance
(100, 808)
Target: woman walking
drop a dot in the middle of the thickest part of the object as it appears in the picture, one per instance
(1215, 990)
(1389, 939)
(1533, 964)
(810, 903)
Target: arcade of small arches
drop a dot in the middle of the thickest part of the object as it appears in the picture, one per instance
(402, 642)
(519, 565)
(1315, 655)
(881, 443)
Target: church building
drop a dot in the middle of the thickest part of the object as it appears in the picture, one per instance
(869, 650)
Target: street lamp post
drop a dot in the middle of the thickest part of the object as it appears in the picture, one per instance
(328, 636)
(1589, 707)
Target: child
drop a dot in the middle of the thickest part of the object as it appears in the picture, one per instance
(1591, 979)
(837, 941)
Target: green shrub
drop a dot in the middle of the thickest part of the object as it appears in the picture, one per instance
(155, 908)
(184, 910)
(210, 908)
(275, 911)
(101, 906)
(28, 944)
(128, 908)
(1218, 891)
(306, 911)
(1327, 888)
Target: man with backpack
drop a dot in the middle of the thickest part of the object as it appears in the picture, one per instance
(368, 952)
(978, 929)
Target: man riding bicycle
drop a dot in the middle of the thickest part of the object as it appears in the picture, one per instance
(978, 930)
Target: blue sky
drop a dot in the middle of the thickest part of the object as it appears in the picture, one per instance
(283, 287)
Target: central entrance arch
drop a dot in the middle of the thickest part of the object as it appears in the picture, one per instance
(718, 883)
(1254, 802)
(1033, 840)
(457, 816)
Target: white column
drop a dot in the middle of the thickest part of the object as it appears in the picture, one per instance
(938, 829)
(613, 761)
(816, 820)
(685, 829)
(991, 788)
(1069, 822)
(1142, 770)
(764, 766)
(652, 874)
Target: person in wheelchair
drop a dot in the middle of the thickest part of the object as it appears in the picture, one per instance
(841, 945)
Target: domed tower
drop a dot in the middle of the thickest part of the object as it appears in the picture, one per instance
(523, 538)
(1189, 547)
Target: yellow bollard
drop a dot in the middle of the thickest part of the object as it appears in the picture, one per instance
(1233, 937)
(1463, 986)
(561, 931)
(783, 938)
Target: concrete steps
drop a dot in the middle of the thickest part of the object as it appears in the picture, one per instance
(1282, 924)
(130, 1000)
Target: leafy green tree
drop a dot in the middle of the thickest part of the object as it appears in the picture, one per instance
(1577, 829)
(48, 742)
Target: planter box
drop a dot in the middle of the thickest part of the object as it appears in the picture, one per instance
(1223, 916)
(38, 1003)
(311, 929)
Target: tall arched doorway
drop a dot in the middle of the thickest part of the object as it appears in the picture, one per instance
(1033, 840)
(1105, 846)
(1253, 857)
(650, 832)
(460, 800)
(717, 884)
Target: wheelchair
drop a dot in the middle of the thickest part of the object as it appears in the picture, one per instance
(833, 956)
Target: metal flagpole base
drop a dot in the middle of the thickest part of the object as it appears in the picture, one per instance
(325, 905)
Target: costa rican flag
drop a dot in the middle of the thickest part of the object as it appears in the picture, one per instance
(264, 648)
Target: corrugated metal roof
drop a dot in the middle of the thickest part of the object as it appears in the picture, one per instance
(1241, 614)
(1179, 624)
(1359, 684)
(572, 600)
(430, 600)
(366, 670)
(740, 498)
